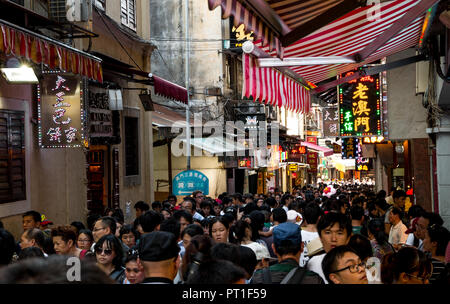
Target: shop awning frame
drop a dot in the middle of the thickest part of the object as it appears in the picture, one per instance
(317, 148)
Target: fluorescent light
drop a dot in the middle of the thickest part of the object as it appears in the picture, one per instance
(300, 61)
(20, 75)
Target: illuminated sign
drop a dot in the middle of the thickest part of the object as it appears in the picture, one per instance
(330, 122)
(60, 111)
(350, 148)
(363, 164)
(293, 167)
(373, 140)
(360, 107)
(245, 163)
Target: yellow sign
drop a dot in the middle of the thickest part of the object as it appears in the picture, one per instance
(293, 168)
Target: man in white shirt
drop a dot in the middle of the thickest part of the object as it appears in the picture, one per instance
(335, 230)
(312, 215)
(397, 234)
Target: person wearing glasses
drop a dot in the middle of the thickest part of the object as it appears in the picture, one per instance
(85, 239)
(64, 241)
(109, 255)
(342, 265)
(407, 266)
(198, 197)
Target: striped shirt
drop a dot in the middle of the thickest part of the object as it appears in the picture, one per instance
(440, 273)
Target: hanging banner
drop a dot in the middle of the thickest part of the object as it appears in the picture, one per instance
(312, 162)
(360, 107)
(189, 181)
(60, 111)
(330, 122)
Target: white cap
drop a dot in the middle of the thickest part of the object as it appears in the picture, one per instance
(260, 250)
(294, 217)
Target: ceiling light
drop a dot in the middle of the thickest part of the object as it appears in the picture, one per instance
(20, 75)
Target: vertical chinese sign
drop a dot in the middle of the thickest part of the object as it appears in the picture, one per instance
(350, 148)
(330, 122)
(312, 162)
(60, 111)
(360, 107)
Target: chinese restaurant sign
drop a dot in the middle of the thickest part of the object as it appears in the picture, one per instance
(312, 162)
(100, 116)
(330, 122)
(187, 182)
(360, 107)
(350, 148)
(60, 111)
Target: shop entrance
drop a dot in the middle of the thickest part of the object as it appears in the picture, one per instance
(98, 182)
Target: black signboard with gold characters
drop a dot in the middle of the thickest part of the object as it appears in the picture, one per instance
(350, 148)
(360, 107)
(239, 35)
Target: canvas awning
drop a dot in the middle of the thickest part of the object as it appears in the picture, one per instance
(20, 42)
(311, 146)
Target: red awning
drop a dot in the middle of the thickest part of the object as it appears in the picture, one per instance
(272, 87)
(20, 42)
(326, 151)
(350, 35)
(170, 90)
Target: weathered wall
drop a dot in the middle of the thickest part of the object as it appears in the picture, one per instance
(407, 116)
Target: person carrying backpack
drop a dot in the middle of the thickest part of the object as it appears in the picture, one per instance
(288, 247)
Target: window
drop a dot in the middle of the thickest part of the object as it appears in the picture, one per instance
(12, 156)
(128, 13)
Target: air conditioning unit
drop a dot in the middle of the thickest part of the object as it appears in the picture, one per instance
(64, 11)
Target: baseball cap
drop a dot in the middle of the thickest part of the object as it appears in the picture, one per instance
(287, 232)
(45, 221)
(158, 246)
(294, 217)
(260, 250)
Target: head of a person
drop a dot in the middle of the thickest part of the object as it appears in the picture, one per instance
(436, 240)
(286, 199)
(109, 251)
(158, 251)
(226, 251)
(85, 239)
(32, 237)
(415, 211)
(357, 213)
(395, 215)
(198, 251)
(279, 215)
(150, 221)
(198, 197)
(242, 231)
(361, 245)
(247, 260)
(171, 225)
(166, 213)
(157, 206)
(407, 266)
(184, 218)
(287, 240)
(217, 208)
(342, 265)
(312, 213)
(78, 226)
(381, 194)
(172, 199)
(278, 198)
(217, 272)
(399, 198)
(272, 202)
(189, 205)
(31, 219)
(334, 229)
(426, 220)
(134, 270)
(141, 207)
(189, 232)
(128, 235)
(206, 207)
(259, 202)
(7, 247)
(64, 239)
(30, 252)
(262, 255)
(237, 199)
(104, 226)
(375, 230)
(51, 270)
(219, 229)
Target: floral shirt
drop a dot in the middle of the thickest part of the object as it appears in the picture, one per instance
(380, 251)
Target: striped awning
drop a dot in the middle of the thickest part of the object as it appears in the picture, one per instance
(269, 86)
(349, 35)
(20, 42)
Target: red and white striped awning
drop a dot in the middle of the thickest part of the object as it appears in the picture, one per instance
(349, 35)
(269, 86)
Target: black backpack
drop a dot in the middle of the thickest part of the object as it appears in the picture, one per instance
(295, 276)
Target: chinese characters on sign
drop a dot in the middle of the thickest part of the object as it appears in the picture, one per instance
(330, 122)
(363, 164)
(60, 111)
(360, 107)
(187, 182)
(350, 148)
(239, 35)
(245, 163)
(100, 115)
(312, 162)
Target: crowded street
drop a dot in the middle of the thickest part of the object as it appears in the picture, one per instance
(218, 142)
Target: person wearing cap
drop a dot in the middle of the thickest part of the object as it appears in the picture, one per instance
(288, 246)
(262, 255)
(158, 252)
(294, 217)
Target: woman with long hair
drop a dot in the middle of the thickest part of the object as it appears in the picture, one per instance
(109, 255)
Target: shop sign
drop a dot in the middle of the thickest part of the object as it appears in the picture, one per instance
(360, 107)
(293, 167)
(337, 149)
(245, 163)
(363, 164)
(311, 139)
(189, 181)
(100, 115)
(373, 140)
(312, 162)
(60, 111)
(350, 148)
(330, 122)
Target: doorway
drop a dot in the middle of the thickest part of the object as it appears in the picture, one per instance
(98, 197)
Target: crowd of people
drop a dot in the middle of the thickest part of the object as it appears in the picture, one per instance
(329, 234)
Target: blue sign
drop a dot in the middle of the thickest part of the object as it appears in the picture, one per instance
(187, 182)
